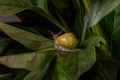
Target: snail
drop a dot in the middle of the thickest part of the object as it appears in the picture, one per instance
(65, 42)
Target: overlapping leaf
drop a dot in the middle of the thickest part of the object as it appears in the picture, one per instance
(30, 40)
(116, 32)
(111, 72)
(3, 44)
(27, 61)
(12, 7)
(70, 65)
(101, 9)
(111, 29)
(41, 69)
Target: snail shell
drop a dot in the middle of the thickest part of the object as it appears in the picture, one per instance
(67, 40)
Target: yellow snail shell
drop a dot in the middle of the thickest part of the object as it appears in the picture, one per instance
(67, 40)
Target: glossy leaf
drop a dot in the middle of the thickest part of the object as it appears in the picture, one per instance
(101, 9)
(29, 39)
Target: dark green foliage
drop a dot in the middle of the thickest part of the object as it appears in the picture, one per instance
(27, 49)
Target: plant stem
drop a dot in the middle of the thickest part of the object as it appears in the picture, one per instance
(83, 33)
(61, 19)
(52, 19)
(55, 22)
(97, 30)
(85, 2)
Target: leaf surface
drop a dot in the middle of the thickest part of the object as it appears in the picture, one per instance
(10, 7)
(71, 65)
(27, 61)
(26, 38)
(101, 9)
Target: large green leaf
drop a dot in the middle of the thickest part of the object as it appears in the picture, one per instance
(78, 24)
(3, 44)
(29, 61)
(71, 65)
(106, 71)
(39, 72)
(29, 39)
(20, 74)
(95, 41)
(42, 4)
(64, 6)
(39, 6)
(101, 9)
(116, 33)
(116, 26)
(111, 28)
(10, 7)
(14, 6)
(6, 77)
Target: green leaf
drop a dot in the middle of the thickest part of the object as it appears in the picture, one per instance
(6, 77)
(116, 26)
(20, 75)
(4, 44)
(78, 24)
(27, 61)
(10, 7)
(95, 41)
(64, 6)
(60, 73)
(26, 38)
(86, 59)
(42, 4)
(106, 71)
(101, 9)
(39, 72)
(116, 33)
(71, 65)
(111, 28)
